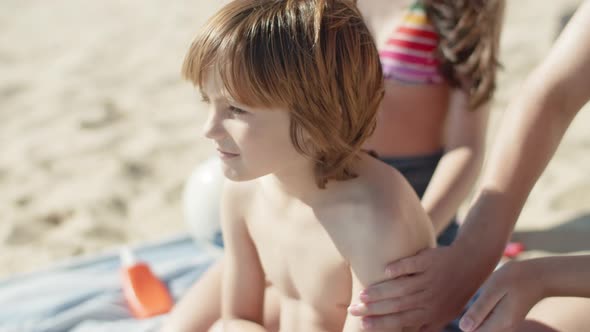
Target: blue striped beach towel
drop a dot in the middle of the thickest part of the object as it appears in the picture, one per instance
(85, 295)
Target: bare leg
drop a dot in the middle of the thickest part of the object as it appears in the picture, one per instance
(200, 307)
(559, 314)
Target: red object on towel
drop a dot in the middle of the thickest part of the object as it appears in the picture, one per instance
(513, 249)
(146, 295)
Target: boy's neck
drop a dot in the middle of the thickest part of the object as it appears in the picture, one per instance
(296, 182)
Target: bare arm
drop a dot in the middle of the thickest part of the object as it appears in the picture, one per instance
(532, 129)
(400, 229)
(509, 294)
(243, 278)
(534, 124)
(457, 171)
(561, 276)
(200, 307)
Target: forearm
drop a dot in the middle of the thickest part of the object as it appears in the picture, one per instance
(486, 231)
(530, 134)
(562, 276)
(451, 183)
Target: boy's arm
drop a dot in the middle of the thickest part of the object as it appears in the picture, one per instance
(399, 228)
(243, 278)
(191, 313)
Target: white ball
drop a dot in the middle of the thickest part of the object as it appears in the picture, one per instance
(201, 200)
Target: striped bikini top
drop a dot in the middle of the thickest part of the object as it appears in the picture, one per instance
(409, 55)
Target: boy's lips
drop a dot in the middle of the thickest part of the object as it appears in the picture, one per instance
(226, 155)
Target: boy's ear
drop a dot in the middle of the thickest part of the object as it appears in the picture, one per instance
(307, 143)
(305, 136)
(306, 140)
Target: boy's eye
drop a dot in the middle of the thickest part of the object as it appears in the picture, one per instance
(236, 110)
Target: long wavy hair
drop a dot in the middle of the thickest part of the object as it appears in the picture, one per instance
(468, 50)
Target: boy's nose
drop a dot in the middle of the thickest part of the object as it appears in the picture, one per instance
(213, 128)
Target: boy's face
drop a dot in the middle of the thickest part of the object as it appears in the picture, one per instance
(251, 142)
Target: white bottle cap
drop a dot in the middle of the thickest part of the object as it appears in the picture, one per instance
(127, 257)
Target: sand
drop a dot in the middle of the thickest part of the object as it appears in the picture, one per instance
(98, 132)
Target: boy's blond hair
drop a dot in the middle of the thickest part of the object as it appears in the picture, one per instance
(314, 57)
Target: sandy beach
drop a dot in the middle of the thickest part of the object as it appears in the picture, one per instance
(98, 132)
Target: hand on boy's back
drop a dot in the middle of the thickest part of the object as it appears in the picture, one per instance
(429, 289)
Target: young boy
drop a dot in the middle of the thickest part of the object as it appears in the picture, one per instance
(293, 88)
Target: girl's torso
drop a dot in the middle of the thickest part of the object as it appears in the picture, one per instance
(412, 116)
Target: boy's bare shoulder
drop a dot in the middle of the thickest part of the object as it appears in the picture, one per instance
(386, 220)
(396, 206)
(237, 194)
(238, 187)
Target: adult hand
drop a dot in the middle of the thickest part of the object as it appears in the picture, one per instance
(505, 300)
(427, 290)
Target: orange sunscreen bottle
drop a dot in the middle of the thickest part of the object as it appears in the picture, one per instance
(146, 295)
